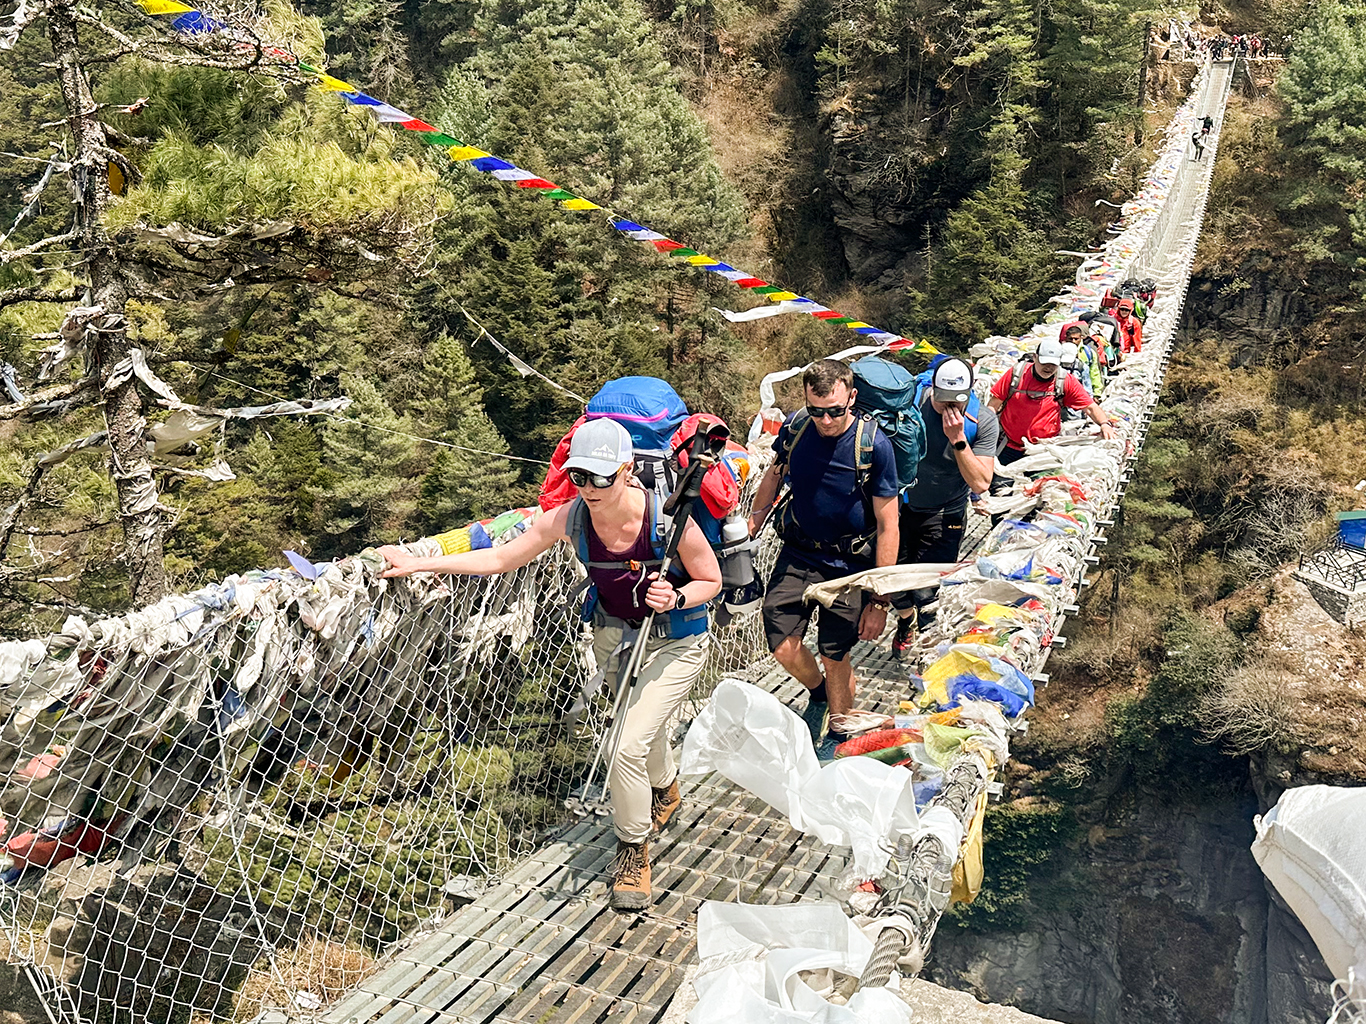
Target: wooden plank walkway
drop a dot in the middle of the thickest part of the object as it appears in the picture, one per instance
(542, 945)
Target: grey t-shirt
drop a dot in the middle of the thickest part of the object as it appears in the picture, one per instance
(939, 485)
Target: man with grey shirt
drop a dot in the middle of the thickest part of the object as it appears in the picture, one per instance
(961, 438)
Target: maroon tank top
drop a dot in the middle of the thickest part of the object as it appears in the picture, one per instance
(621, 590)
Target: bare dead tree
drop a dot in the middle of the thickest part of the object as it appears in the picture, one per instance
(160, 262)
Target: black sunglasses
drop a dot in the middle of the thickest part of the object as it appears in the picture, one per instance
(834, 412)
(582, 478)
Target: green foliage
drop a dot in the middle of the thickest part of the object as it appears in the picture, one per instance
(581, 93)
(369, 454)
(990, 273)
(316, 167)
(1155, 734)
(1019, 841)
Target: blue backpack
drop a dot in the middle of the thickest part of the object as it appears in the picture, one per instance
(651, 411)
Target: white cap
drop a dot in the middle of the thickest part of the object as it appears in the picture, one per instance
(600, 446)
(952, 381)
(1049, 352)
(1069, 353)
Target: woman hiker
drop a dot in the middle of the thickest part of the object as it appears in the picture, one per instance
(620, 530)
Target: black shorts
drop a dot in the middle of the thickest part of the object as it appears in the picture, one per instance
(927, 537)
(787, 613)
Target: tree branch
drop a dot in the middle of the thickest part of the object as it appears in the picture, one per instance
(81, 393)
(10, 255)
(14, 296)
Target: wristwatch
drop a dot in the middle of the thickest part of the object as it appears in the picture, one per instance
(958, 446)
(680, 599)
(880, 602)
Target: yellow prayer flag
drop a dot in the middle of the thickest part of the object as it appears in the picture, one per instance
(579, 204)
(466, 153)
(702, 261)
(165, 7)
(856, 323)
(335, 84)
(781, 296)
(925, 348)
(968, 869)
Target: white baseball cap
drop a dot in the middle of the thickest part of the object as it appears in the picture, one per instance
(1069, 353)
(1049, 352)
(952, 381)
(600, 446)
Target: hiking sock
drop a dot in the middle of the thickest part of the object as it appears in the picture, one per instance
(817, 694)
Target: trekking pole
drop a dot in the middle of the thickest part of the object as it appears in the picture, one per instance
(707, 445)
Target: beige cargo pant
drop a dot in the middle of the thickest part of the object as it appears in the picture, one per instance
(644, 758)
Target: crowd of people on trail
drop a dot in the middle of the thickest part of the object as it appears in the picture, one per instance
(878, 467)
(1227, 47)
(1221, 46)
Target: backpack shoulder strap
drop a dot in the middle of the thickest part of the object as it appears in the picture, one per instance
(660, 522)
(864, 441)
(1017, 373)
(576, 528)
(795, 430)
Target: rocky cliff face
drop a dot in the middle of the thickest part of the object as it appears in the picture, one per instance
(1156, 911)
(1160, 916)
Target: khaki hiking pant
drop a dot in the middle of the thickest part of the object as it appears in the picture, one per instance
(644, 759)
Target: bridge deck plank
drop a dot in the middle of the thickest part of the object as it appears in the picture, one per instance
(541, 945)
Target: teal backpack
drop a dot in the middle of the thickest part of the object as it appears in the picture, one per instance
(890, 393)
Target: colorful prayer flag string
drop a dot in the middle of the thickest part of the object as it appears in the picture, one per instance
(191, 21)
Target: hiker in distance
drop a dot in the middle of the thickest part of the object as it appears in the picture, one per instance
(961, 438)
(1029, 401)
(620, 531)
(839, 517)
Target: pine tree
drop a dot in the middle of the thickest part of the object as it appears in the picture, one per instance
(468, 481)
(216, 180)
(991, 271)
(579, 92)
(368, 455)
(1325, 130)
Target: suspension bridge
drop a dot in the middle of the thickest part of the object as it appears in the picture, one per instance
(313, 795)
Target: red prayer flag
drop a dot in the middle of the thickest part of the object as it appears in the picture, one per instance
(751, 282)
(536, 183)
(829, 314)
(417, 126)
(667, 244)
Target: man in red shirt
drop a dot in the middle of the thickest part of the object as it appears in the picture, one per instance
(1029, 399)
(1130, 327)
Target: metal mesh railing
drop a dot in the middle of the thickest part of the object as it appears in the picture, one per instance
(272, 780)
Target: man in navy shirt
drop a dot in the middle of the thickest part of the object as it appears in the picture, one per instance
(961, 438)
(840, 517)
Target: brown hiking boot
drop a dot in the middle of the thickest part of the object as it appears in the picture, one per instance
(663, 803)
(631, 877)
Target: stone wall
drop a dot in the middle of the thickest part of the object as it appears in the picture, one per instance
(1347, 607)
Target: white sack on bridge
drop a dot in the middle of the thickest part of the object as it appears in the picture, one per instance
(748, 736)
(1312, 846)
(751, 958)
